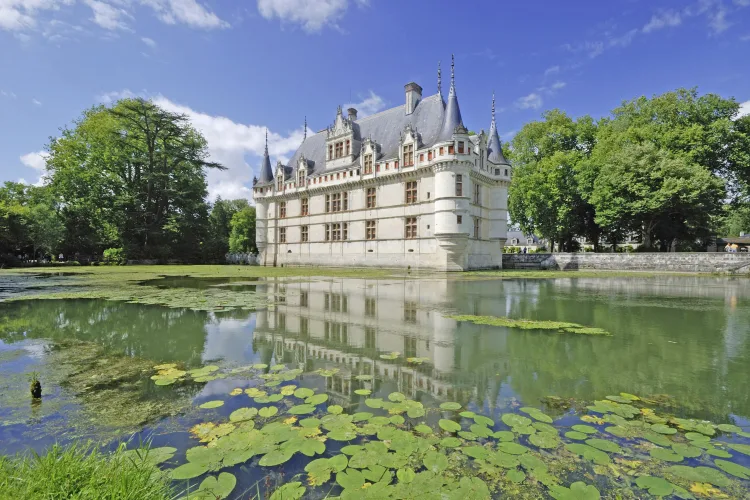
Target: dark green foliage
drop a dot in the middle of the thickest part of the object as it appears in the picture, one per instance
(242, 237)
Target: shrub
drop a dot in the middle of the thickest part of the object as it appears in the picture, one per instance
(114, 256)
(83, 472)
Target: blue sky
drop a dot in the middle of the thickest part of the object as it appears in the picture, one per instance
(236, 68)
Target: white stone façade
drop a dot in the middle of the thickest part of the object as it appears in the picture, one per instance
(407, 187)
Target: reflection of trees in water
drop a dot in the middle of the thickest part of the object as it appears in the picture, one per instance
(152, 332)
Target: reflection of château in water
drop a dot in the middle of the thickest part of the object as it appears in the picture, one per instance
(349, 324)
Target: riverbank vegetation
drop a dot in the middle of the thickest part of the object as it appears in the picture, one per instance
(84, 472)
(661, 168)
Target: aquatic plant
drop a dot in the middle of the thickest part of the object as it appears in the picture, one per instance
(35, 386)
(82, 471)
(527, 324)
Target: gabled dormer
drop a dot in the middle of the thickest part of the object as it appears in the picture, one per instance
(301, 171)
(340, 145)
(280, 177)
(410, 143)
(369, 154)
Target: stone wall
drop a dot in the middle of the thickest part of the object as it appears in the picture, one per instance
(706, 262)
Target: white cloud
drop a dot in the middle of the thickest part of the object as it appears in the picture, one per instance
(552, 70)
(367, 106)
(558, 85)
(744, 109)
(110, 97)
(38, 162)
(188, 12)
(8, 94)
(742, 3)
(19, 15)
(508, 136)
(107, 16)
(148, 41)
(36, 102)
(531, 101)
(745, 38)
(312, 15)
(663, 19)
(229, 143)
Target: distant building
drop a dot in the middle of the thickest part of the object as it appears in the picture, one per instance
(517, 239)
(408, 186)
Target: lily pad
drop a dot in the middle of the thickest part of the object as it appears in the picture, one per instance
(666, 455)
(586, 429)
(699, 474)
(482, 420)
(275, 457)
(189, 470)
(449, 425)
(450, 442)
(335, 409)
(363, 377)
(514, 420)
(303, 409)
(604, 445)
(303, 393)
(686, 450)
(374, 403)
(212, 404)
(733, 469)
(729, 428)
(317, 399)
(216, 488)
(363, 392)
(512, 448)
(504, 436)
(435, 462)
(537, 414)
(423, 429)
(656, 486)
(698, 437)
(544, 440)
(268, 411)
(289, 491)
(589, 453)
(577, 491)
(578, 436)
(449, 405)
(663, 429)
(515, 475)
(396, 397)
(243, 414)
(351, 479)
(742, 448)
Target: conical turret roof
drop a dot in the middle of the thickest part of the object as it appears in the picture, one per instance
(266, 174)
(494, 147)
(452, 116)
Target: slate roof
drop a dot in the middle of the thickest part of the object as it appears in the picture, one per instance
(266, 174)
(384, 128)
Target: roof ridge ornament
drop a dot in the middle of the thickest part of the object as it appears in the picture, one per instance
(304, 137)
(453, 76)
(493, 106)
(439, 82)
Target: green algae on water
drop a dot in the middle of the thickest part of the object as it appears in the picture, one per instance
(527, 324)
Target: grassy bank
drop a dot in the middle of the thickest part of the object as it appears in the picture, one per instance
(82, 472)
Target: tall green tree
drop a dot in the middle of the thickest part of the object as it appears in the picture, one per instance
(546, 197)
(665, 195)
(242, 237)
(220, 227)
(133, 176)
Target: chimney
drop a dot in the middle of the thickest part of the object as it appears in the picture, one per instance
(352, 113)
(413, 96)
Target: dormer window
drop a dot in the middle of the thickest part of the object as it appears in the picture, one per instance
(429, 155)
(409, 155)
(339, 149)
(280, 184)
(460, 147)
(330, 151)
(451, 150)
(348, 146)
(368, 164)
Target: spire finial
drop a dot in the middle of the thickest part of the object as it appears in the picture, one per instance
(493, 106)
(305, 136)
(440, 81)
(453, 74)
(266, 140)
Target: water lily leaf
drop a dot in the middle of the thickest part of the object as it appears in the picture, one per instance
(214, 488)
(303, 409)
(729, 428)
(717, 452)
(480, 430)
(335, 409)
(415, 412)
(479, 452)
(288, 390)
(236, 392)
(212, 404)
(406, 475)
(742, 448)
(504, 436)
(254, 392)
(537, 414)
(243, 414)
(699, 474)
(656, 486)
(277, 368)
(380, 420)
(338, 463)
(289, 491)
(586, 429)
(589, 453)
(482, 420)
(423, 429)
(577, 491)
(363, 392)
(275, 457)
(167, 366)
(514, 420)
(317, 399)
(686, 450)
(450, 405)
(532, 463)
(450, 442)
(467, 414)
(512, 448)
(545, 440)
(377, 473)
(666, 455)
(350, 479)
(164, 381)
(660, 439)
(342, 435)
(578, 436)
(604, 445)
(303, 393)
(697, 437)
(393, 355)
(542, 427)
(469, 436)
(396, 397)
(268, 411)
(310, 422)
(515, 475)
(204, 455)
(449, 425)
(663, 429)
(363, 377)
(435, 462)
(154, 456)
(733, 468)
(274, 398)
(189, 470)
(312, 447)
(374, 403)
(397, 420)
(524, 429)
